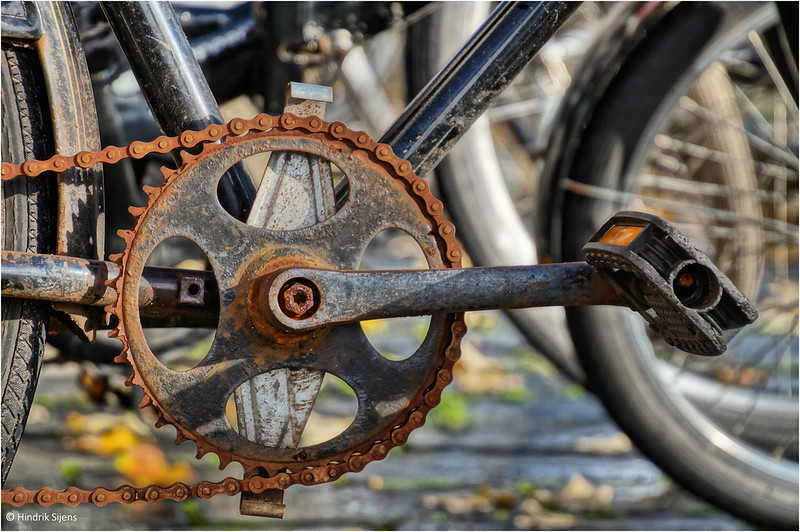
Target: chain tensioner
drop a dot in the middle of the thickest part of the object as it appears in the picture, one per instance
(394, 396)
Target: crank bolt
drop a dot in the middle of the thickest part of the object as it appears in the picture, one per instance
(298, 298)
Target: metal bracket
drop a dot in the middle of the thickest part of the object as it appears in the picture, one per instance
(295, 191)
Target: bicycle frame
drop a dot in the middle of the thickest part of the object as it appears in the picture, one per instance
(179, 96)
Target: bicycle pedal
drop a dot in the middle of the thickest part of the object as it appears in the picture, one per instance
(659, 273)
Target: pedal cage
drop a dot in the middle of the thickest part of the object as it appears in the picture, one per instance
(659, 273)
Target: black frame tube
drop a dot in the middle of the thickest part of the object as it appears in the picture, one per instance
(490, 60)
(173, 82)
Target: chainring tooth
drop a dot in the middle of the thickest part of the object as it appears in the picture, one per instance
(277, 478)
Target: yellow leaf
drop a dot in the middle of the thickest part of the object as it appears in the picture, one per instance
(116, 440)
(145, 464)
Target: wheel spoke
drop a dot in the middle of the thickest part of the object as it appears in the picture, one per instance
(617, 197)
(772, 70)
(765, 146)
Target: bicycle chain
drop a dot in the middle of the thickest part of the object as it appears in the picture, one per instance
(262, 124)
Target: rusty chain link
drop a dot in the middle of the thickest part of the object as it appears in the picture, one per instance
(261, 125)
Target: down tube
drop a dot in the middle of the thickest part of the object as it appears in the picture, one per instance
(489, 61)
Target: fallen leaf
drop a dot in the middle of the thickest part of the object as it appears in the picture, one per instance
(100, 422)
(535, 516)
(618, 443)
(113, 441)
(375, 482)
(484, 500)
(479, 374)
(145, 464)
(579, 494)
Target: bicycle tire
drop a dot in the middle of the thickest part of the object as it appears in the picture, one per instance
(694, 449)
(26, 226)
(37, 77)
(471, 183)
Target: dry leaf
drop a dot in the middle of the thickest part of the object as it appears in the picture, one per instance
(479, 374)
(534, 516)
(617, 443)
(145, 464)
(579, 494)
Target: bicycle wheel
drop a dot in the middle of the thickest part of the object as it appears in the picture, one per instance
(704, 134)
(25, 224)
(31, 72)
(487, 179)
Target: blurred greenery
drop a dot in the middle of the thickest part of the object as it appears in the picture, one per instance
(191, 510)
(574, 392)
(524, 487)
(70, 470)
(452, 412)
(70, 401)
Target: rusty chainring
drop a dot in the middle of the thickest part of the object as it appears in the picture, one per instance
(394, 396)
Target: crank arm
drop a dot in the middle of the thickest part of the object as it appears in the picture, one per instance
(168, 297)
(305, 298)
(637, 260)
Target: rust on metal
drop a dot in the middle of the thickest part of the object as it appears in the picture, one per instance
(295, 191)
(268, 503)
(298, 299)
(166, 295)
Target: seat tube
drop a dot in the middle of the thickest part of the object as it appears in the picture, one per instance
(173, 82)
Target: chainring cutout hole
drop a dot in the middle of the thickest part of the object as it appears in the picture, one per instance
(297, 183)
(395, 338)
(334, 410)
(182, 348)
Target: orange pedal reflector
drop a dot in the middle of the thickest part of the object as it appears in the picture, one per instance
(621, 235)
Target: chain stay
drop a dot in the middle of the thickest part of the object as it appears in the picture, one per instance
(400, 168)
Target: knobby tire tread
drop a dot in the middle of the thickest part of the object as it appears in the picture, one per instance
(27, 226)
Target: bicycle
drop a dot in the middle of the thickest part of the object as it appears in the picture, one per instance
(408, 141)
